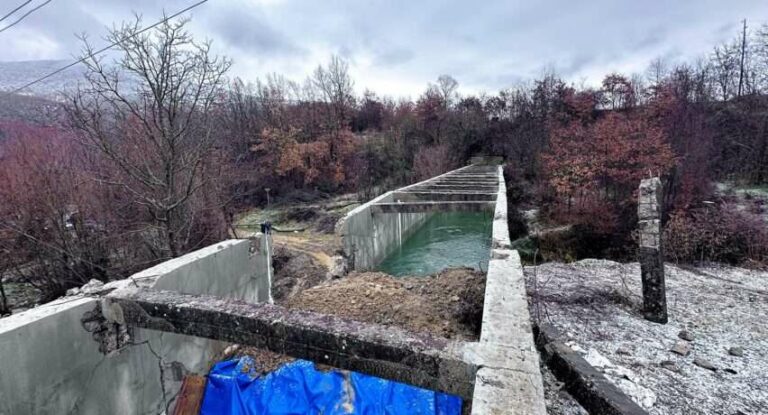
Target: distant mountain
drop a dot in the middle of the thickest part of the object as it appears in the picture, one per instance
(16, 74)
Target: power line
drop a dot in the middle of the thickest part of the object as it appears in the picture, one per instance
(105, 48)
(15, 10)
(25, 15)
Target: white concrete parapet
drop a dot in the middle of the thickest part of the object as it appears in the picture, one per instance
(509, 379)
(51, 365)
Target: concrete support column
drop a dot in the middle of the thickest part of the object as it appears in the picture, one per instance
(651, 251)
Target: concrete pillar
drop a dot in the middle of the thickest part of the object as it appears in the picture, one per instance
(651, 253)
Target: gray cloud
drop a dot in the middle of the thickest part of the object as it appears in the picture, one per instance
(395, 47)
(251, 33)
(394, 57)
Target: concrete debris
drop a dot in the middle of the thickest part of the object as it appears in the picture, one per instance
(91, 287)
(626, 379)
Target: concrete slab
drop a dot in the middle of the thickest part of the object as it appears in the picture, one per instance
(416, 196)
(434, 206)
(384, 351)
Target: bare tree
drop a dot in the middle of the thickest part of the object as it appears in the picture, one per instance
(725, 67)
(337, 90)
(760, 48)
(150, 116)
(447, 86)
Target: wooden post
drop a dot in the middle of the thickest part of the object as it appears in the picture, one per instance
(651, 252)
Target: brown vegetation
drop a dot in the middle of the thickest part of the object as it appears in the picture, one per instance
(156, 154)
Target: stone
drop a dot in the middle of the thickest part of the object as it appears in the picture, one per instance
(669, 365)
(682, 348)
(597, 360)
(623, 350)
(339, 267)
(686, 335)
(91, 287)
(704, 363)
(736, 351)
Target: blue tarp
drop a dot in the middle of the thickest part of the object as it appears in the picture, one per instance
(297, 388)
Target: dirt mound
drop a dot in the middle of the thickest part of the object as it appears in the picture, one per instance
(448, 304)
(294, 271)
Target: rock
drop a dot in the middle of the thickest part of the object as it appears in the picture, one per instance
(623, 350)
(93, 286)
(338, 268)
(640, 394)
(455, 298)
(408, 286)
(73, 291)
(736, 351)
(681, 348)
(704, 363)
(685, 335)
(669, 365)
(597, 360)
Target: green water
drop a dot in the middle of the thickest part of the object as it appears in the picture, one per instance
(454, 239)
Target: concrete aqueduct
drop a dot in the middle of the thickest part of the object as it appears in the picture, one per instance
(106, 351)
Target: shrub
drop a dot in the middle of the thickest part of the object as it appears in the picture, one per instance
(719, 233)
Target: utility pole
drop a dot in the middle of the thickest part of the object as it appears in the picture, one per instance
(743, 54)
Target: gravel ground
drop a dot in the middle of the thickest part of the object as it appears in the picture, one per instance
(558, 400)
(722, 310)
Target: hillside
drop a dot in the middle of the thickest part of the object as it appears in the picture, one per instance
(16, 74)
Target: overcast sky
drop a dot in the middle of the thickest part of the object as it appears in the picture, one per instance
(395, 47)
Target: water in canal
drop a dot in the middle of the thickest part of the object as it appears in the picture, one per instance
(452, 239)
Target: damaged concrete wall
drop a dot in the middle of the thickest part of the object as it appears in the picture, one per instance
(51, 365)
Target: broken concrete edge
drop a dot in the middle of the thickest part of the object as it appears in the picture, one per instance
(387, 352)
(591, 389)
(65, 371)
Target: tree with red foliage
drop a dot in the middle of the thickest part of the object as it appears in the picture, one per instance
(55, 223)
(596, 163)
(328, 161)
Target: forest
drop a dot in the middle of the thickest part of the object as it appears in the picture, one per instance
(158, 153)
